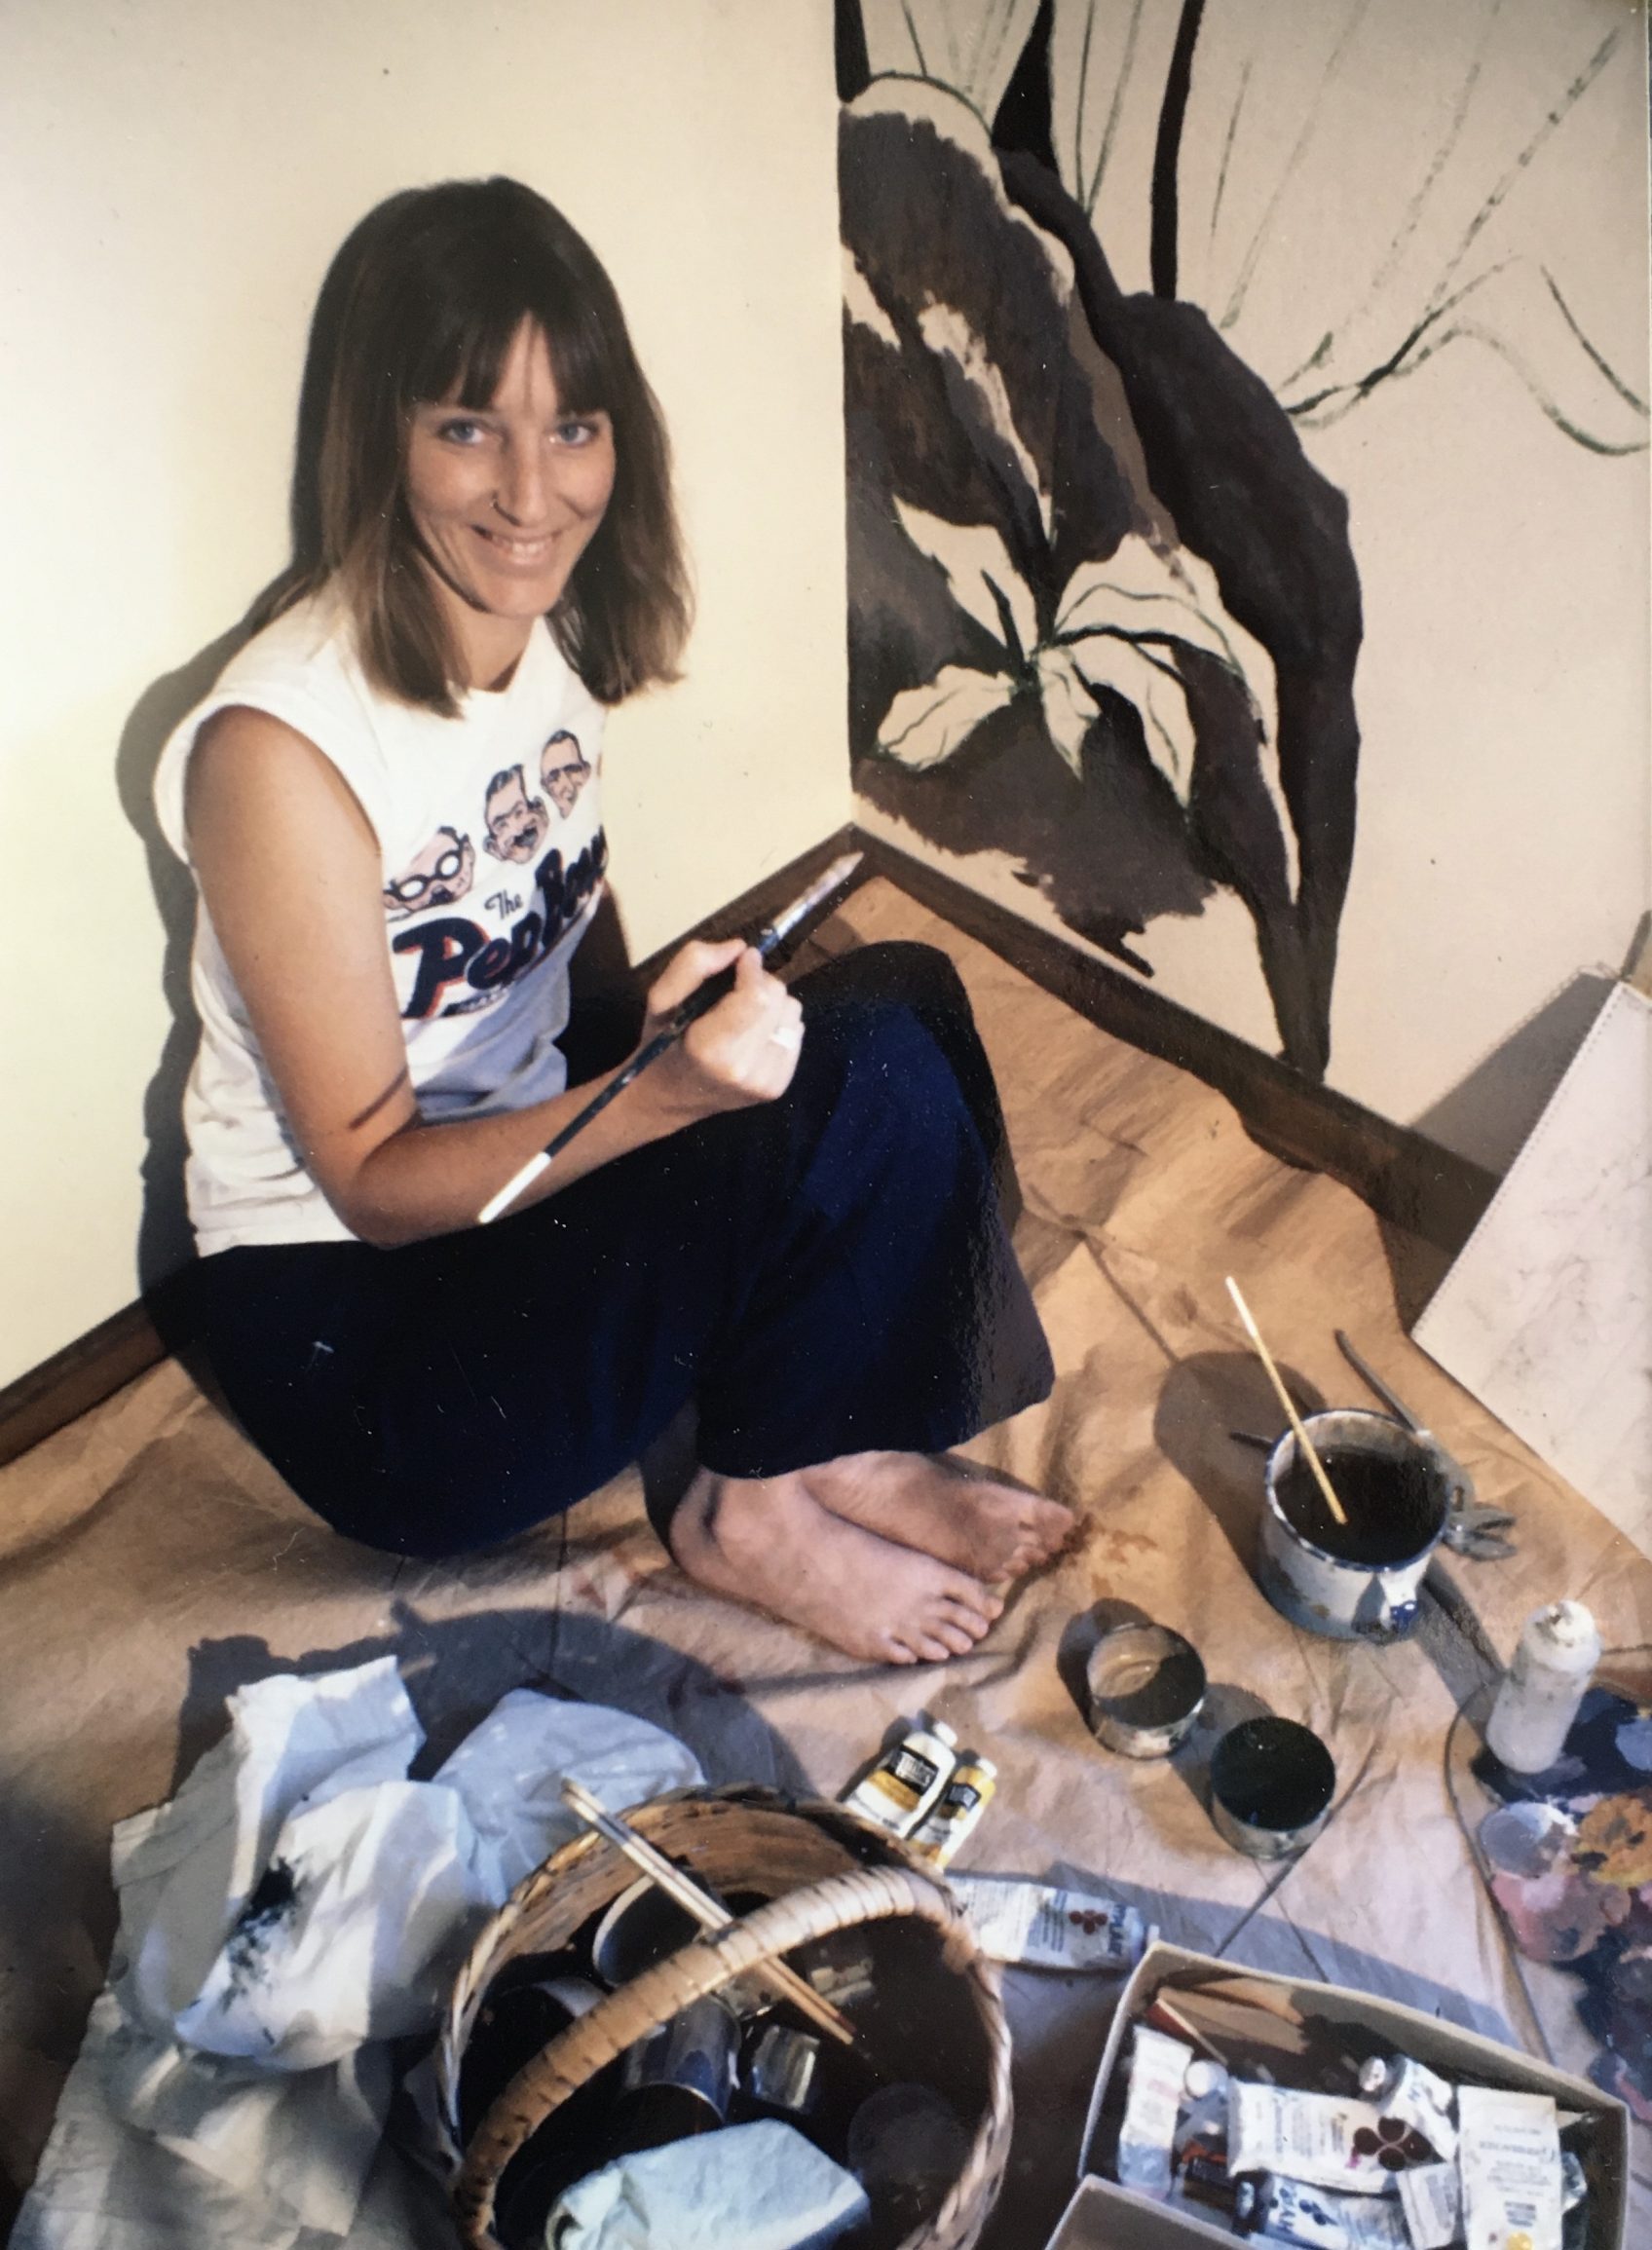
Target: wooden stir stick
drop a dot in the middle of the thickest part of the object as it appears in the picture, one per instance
(1305, 1444)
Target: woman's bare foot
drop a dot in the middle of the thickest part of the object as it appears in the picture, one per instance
(952, 1509)
(765, 1541)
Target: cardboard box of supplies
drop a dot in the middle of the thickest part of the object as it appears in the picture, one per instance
(1104, 2216)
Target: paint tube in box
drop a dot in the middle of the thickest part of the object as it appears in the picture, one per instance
(1307, 2137)
(1033, 1925)
(1431, 2196)
(1318, 2218)
(1158, 2071)
(1286, 2211)
(1403, 2087)
(1509, 2153)
(1202, 2129)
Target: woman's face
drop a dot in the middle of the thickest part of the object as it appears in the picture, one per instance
(505, 498)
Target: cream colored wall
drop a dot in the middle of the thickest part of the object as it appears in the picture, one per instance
(174, 180)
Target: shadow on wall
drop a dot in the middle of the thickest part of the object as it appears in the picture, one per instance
(1490, 1114)
(165, 1243)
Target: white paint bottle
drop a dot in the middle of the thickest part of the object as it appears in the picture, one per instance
(907, 1780)
(1558, 1650)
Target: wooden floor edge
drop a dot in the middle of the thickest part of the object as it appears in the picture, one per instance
(1404, 1176)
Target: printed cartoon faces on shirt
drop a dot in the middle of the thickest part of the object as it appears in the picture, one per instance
(516, 822)
(437, 876)
(564, 770)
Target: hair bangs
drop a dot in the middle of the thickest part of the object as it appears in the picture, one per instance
(462, 357)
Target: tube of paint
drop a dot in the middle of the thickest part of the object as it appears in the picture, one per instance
(906, 1780)
(1203, 2124)
(1510, 2158)
(955, 1814)
(1032, 1926)
(1308, 2137)
(1537, 1701)
(1159, 2068)
(1574, 2181)
(1431, 2196)
(1402, 2088)
(1316, 2218)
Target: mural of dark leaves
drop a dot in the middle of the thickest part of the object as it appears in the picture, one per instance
(1105, 611)
(1092, 574)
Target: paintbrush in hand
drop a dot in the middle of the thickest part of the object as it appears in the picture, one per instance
(700, 1002)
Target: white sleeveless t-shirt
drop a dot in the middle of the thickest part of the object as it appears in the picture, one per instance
(493, 856)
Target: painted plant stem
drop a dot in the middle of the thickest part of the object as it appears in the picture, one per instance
(1167, 150)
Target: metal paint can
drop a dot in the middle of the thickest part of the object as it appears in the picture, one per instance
(643, 1926)
(1357, 1581)
(1146, 1685)
(681, 2078)
(782, 2072)
(1271, 1787)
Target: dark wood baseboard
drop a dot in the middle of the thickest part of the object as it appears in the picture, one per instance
(1402, 1174)
(79, 1378)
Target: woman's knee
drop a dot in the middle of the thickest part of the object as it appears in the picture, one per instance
(894, 972)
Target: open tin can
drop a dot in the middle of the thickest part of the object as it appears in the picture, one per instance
(1146, 1685)
(1271, 1787)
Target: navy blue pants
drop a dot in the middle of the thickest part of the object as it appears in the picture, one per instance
(824, 1274)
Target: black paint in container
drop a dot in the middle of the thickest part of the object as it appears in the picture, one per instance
(1146, 1685)
(1271, 1787)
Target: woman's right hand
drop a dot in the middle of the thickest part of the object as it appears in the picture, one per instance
(741, 1052)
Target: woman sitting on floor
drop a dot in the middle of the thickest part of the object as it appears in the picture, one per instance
(390, 802)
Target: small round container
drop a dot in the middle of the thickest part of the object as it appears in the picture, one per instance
(1524, 1839)
(906, 2143)
(516, 2022)
(681, 2078)
(643, 1926)
(782, 2070)
(1147, 1686)
(1271, 1787)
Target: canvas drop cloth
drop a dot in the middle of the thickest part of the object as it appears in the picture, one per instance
(150, 1564)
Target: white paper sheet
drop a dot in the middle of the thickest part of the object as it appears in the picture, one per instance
(295, 1905)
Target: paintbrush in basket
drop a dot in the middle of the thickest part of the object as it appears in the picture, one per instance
(700, 1002)
(784, 1982)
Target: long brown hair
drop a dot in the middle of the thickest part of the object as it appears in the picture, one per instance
(422, 304)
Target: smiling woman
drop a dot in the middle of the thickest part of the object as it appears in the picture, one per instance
(390, 802)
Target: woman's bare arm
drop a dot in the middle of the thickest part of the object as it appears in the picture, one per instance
(291, 872)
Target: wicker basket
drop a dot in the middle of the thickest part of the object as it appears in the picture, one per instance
(828, 1870)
